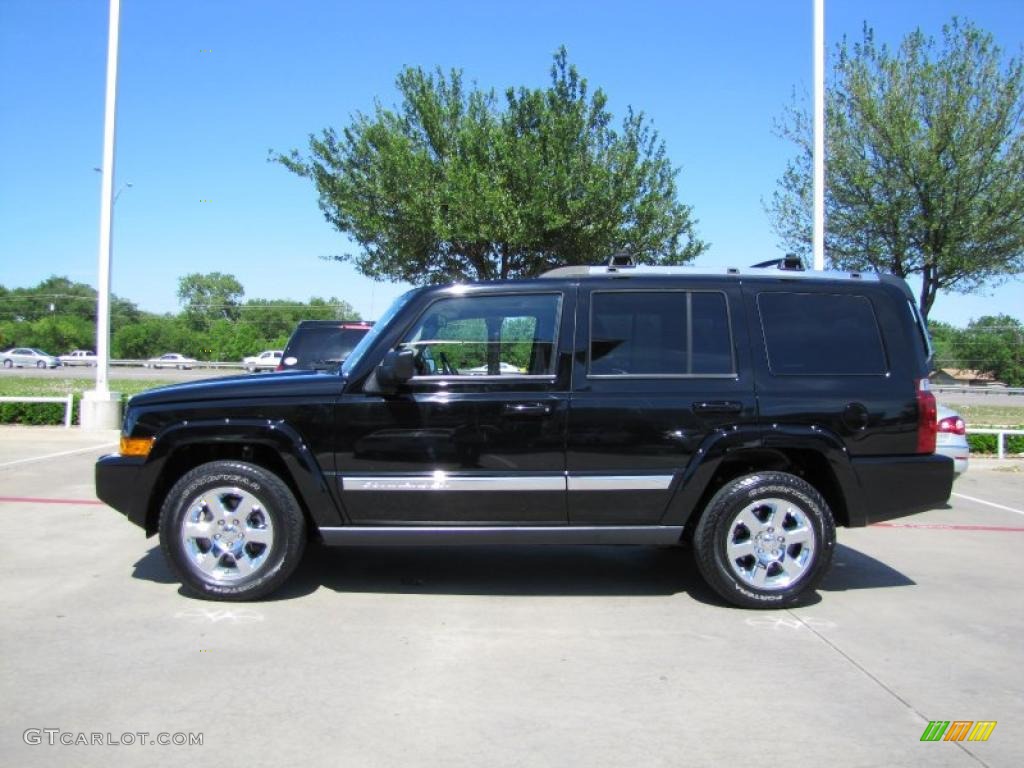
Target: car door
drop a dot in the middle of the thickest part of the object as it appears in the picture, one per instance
(657, 371)
(477, 436)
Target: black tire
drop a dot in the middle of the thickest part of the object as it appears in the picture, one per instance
(8, 363)
(40, 363)
(272, 500)
(787, 568)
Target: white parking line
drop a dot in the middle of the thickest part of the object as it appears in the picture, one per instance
(988, 503)
(57, 455)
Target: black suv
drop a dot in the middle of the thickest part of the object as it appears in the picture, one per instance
(322, 345)
(745, 411)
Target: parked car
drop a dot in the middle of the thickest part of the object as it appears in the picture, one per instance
(321, 345)
(505, 369)
(748, 412)
(264, 361)
(951, 439)
(28, 357)
(79, 357)
(170, 360)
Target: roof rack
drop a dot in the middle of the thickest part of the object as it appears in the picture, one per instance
(768, 269)
(789, 262)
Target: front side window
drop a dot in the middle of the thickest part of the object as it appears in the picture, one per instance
(660, 333)
(512, 335)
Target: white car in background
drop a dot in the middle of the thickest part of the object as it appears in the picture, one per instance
(79, 357)
(170, 360)
(951, 439)
(264, 361)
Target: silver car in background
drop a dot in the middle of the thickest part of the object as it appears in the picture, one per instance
(951, 439)
(28, 357)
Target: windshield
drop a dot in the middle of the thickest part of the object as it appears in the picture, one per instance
(367, 341)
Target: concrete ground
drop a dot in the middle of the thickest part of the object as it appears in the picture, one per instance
(501, 656)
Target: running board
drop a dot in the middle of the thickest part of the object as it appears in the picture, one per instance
(444, 535)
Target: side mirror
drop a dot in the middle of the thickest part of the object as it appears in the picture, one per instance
(397, 367)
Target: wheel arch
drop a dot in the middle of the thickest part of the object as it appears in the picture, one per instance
(814, 455)
(274, 446)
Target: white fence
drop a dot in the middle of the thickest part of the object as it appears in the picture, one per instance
(68, 400)
(1000, 437)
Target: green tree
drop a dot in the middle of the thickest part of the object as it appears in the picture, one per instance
(994, 344)
(151, 336)
(275, 319)
(924, 162)
(209, 297)
(453, 186)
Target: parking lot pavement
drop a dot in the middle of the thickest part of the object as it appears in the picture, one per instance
(502, 656)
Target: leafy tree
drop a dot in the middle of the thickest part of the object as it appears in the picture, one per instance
(151, 336)
(994, 344)
(209, 297)
(275, 319)
(924, 162)
(453, 186)
(60, 297)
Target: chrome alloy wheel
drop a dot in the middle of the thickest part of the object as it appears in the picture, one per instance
(771, 544)
(227, 534)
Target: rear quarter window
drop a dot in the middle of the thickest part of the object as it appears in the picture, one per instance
(816, 334)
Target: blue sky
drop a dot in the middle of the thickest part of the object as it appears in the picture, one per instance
(196, 125)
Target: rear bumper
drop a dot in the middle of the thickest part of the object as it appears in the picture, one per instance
(896, 486)
(118, 484)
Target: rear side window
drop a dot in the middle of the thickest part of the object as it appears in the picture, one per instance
(812, 334)
(660, 333)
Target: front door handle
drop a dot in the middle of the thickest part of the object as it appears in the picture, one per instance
(718, 406)
(527, 409)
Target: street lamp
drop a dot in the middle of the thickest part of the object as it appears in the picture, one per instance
(101, 408)
(126, 185)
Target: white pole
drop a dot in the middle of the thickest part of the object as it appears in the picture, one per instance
(107, 207)
(819, 134)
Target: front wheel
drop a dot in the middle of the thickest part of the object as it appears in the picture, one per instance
(231, 531)
(40, 363)
(765, 540)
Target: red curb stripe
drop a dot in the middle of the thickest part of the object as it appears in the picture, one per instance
(30, 500)
(949, 527)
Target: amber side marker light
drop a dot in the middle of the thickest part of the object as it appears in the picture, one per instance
(136, 446)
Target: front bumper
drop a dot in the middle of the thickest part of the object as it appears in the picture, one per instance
(118, 484)
(896, 486)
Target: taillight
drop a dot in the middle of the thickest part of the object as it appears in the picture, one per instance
(926, 415)
(953, 425)
(280, 367)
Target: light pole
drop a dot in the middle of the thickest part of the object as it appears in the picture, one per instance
(101, 408)
(819, 134)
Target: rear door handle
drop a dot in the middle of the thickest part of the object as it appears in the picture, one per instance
(718, 406)
(527, 409)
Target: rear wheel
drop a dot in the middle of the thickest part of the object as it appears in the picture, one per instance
(231, 531)
(765, 540)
